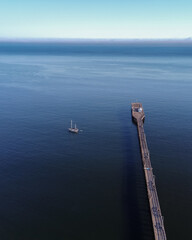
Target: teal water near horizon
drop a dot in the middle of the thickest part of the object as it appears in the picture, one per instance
(57, 185)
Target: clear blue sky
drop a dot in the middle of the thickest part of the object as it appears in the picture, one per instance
(95, 19)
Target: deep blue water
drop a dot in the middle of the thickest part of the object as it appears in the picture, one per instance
(90, 186)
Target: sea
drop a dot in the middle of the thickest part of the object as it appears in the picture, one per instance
(89, 186)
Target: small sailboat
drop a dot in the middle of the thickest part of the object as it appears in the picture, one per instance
(73, 129)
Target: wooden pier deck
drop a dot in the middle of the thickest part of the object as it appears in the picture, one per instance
(157, 218)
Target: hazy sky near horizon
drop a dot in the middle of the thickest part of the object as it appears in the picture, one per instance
(95, 19)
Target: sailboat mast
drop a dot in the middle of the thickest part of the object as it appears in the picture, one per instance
(71, 123)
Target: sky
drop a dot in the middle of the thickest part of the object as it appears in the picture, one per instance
(96, 19)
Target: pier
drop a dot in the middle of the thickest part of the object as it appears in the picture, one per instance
(157, 218)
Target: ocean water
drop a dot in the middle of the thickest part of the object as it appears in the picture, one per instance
(90, 186)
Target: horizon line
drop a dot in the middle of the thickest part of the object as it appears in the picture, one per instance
(26, 39)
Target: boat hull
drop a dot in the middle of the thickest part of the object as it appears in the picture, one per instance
(73, 130)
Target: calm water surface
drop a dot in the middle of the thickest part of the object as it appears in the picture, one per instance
(90, 186)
